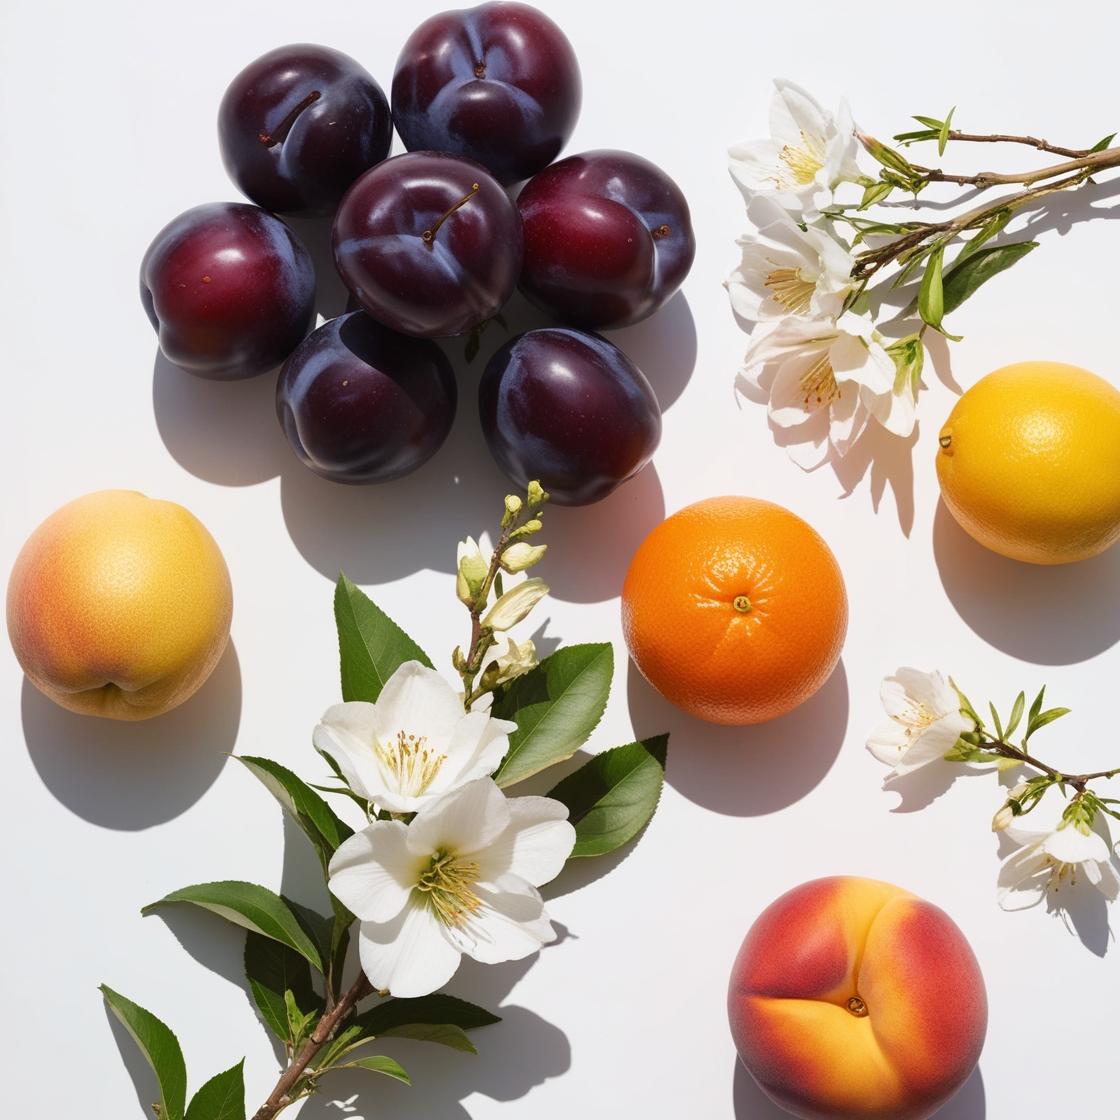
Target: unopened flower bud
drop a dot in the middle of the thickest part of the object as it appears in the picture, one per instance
(472, 571)
(513, 505)
(528, 528)
(1003, 818)
(515, 604)
(521, 555)
(537, 495)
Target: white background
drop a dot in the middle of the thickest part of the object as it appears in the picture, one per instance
(106, 132)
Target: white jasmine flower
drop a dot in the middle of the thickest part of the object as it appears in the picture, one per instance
(925, 721)
(507, 659)
(809, 152)
(462, 877)
(1053, 853)
(787, 270)
(414, 744)
(823, 380)
(471, 570)
(515, 604)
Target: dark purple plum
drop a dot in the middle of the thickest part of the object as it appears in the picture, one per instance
(569, 409)
(299, 125)
(229, 289)
(361, 403)
(429, 244)
(608, 239)
(498, 83)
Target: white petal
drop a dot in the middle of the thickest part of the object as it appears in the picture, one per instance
(535, 845)
(788, 406)
(1109, 884)
(477, 748)
(418, 701)
(510, 924)
(888, 742)
(1070, 845)
(753, 165)
(373, 872)
(853, 360)
(847, 418)
(409, 956)
(465, 821)
(795, 113)
(897, 412)
(1023, 878)
(346, 733)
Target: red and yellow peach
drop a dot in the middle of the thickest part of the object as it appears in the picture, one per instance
(852, 999)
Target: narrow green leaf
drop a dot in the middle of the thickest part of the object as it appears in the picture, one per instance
(253, 907)
(317, 819)
(379, 1064)
(444, 1034)
(966, 704)
(875, 193)
(556, 706)
(963, 279)
(1100, 145)
(371, 645)
(1043, 718)
(993, 226)
(943, 132)
(910, 264)
(917, 135)
(1036, 707)
(222, 1097)
(1016, 716)
(612, 796)
(272, 970)
(931, 294)
(930, 122)
(996, 720)
(160, 1048)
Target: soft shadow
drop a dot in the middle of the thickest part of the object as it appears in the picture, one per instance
(889, 459)
(134, 775)
(221, 431)
(1047, 614)
(921, 788)
(590, 547)
(330, 293)
(751, 1103)
(746, 771)
(143, 1079)
(663, 347)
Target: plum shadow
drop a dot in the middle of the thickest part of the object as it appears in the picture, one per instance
(746, 771)
(1049, 615)
(131, 776)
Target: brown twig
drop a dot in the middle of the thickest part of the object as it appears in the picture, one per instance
(1089, 162)
(281, 1095)
(1078, 781)
(1008, 138)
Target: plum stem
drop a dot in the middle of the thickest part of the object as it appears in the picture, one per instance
(661, 231)
(429, 235)
(280, 133)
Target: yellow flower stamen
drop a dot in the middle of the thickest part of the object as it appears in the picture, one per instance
(448, 883)
(410, 762)
(789, 288)
(818, 383)
(803, 161)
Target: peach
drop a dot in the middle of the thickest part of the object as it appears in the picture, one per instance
(119, 605)
(852, 999)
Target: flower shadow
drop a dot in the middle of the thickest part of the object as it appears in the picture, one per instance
(889, 460)
(131, 776)
(1048, 615)
(746, 771)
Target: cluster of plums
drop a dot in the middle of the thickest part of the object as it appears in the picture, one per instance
(431, 245)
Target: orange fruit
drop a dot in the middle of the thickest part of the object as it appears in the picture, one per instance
(734, 609)
(119, 605)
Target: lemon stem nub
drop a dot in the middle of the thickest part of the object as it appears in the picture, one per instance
(945, 441)
(742, 604)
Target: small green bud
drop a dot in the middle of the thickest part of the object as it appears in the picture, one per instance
(521, 555)
(472, 570)
(537, 494)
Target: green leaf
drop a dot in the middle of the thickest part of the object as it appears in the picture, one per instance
(963, 279)
(436, 1009)
(222, 1097)
(160, 1048)
(379, 1064)
(943, 132)
(962, 752)
(611, 797)
(556, 706)
(996, 720)
(993, 226)
(1036, 707)
(931, 294)
(889, 158)
(445, 1034)
(930, 122)
(1100, 145)
(919, 134)
(1016, 714)
(317, 819)
(253, 907)
(966, 704)
(875, 193)
(1043, 718)
(372, 647)
(273, 970)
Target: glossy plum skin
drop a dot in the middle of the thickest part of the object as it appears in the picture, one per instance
(498, 83)
(299, 125)
(229, 289)
(569, 409)
(608, 239)
(360, 403)
(429, 244)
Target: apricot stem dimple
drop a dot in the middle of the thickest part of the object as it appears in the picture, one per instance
(429, 235)
(741, 603)
(857, 1007)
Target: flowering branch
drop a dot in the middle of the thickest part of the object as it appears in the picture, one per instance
(931, 722)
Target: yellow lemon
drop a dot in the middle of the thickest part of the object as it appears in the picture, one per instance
(1029, 462)
(119, 605)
